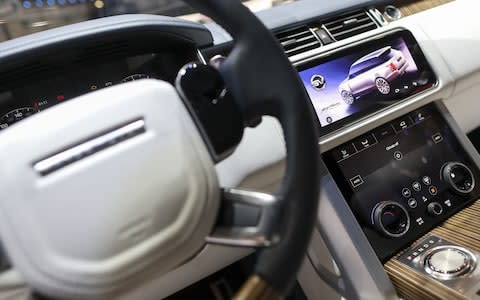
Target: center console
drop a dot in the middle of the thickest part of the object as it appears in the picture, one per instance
(404, 195)
(414, 189)
(404, 178)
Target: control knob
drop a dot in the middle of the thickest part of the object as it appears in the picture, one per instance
(459, 177)
(434, 209)
(448, 262)
(391, 219)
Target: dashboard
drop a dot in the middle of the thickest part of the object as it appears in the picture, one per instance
(66, 82)
(397, 120)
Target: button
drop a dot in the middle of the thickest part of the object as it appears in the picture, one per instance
(406, 193)
(324, 36)
(398, 155)
(432, 190)
(434, 209)
(427, 180)
(318, 82)
(402, 123)
(417, 187)
(419, 116)
(364, 142)
(343, 152)
(437, 138)
(412, 203)
(356, 181)
(384, 132)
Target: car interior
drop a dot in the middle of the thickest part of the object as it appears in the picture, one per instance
(228, 149)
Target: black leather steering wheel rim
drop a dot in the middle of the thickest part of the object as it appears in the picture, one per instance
(263, 82)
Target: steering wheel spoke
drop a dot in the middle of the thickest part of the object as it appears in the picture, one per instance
(245, 219)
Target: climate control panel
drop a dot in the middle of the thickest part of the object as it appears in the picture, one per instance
(404, 178)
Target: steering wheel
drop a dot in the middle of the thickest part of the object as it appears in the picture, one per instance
(118, 186)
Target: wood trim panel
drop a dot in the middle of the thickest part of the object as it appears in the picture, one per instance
(411, 7)
(462, 229)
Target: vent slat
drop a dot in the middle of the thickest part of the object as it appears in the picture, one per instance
(302, 48)
(345, 18)
(358, 21)
(306, 32)
(298, 40)
(351, 32)
(350, 25)
(302, 39)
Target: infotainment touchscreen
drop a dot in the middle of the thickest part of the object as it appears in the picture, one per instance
(361, 79)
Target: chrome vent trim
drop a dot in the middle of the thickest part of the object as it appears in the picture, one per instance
(350, 24)
(298, 40)
(309, 38)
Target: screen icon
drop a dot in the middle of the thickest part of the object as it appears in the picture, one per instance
(437, 138)
(398, 155)
(416, 186)
(356, 181)
(318, 82)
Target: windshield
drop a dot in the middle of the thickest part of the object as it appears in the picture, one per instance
(21, 17)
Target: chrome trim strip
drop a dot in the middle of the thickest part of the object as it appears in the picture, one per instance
(201, 57)
(90, 147)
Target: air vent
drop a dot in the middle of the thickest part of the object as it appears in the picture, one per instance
(350, 24)
(298, 40)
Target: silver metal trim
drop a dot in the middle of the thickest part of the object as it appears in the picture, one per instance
(90, 147)
(377, 15)
(264, 234)
(200, 57)
(392, 17)
(376, 218)
(452, 184)
(466, 269)
(315, 35)
(466, 284)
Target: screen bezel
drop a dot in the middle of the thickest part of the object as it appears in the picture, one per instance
(413, 47)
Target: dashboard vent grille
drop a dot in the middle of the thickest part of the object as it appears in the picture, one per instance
(298, 40)
(351, 24)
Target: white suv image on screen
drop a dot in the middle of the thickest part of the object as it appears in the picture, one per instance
(374, 71)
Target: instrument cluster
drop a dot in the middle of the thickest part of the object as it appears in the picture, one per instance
(36, 95)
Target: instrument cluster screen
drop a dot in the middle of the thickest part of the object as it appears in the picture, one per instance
(37, 94)
(364, 78)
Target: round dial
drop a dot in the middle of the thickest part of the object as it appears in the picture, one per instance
(135, 77)
(434, 209)
(447, 262)
(459, 177)
(391, 219)
(16, 115)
